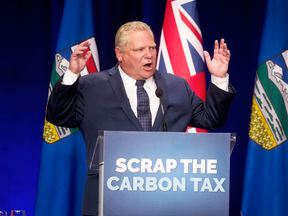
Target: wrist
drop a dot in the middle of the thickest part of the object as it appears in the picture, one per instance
(69, 77)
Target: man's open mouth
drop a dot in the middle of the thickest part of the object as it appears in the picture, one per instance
(148, 66)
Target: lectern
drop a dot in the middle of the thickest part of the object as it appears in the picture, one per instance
(156, 173)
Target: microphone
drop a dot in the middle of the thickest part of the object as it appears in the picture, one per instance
(159, 93)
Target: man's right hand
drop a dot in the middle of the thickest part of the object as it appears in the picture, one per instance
(78, 60)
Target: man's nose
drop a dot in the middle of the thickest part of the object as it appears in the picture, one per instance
(148, 53)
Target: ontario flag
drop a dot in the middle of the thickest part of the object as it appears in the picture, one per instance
(181, 47)
(63, 159)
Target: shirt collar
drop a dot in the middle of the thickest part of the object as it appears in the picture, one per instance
(130, 81)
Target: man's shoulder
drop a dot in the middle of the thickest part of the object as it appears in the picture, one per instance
(99, 76)
(169, 76)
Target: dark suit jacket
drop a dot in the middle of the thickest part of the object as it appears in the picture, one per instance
(99, 102)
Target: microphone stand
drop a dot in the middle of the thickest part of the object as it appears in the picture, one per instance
(159, 93)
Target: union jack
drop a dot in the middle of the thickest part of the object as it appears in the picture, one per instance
(181, 47)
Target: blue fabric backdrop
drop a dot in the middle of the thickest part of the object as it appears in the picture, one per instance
(29, 32)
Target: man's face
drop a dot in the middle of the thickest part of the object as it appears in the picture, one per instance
(138, 60)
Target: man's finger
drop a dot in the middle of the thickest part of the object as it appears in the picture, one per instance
(83, 46)
(216, 47)
(207, 57)
(85, 43)
(87, 55)
(228, 55)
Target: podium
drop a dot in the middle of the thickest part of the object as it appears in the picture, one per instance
(156, 173)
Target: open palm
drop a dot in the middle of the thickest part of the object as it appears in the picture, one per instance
(218, 66)
(78, 59)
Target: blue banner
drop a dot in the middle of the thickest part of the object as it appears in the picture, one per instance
(265, 191)
(63, 159)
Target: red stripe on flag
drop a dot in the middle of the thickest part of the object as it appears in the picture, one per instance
(91, 67)
(191, 27)
(201, 130)
(198, 130)
(173, 44)
(198, 84)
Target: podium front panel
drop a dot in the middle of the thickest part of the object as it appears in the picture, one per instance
(156, 173)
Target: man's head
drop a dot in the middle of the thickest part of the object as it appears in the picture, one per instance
(121, 38)
(136, 50)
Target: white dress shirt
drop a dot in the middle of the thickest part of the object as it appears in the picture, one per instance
(131, 92)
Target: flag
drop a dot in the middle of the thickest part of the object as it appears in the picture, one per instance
(63, 158)
(181, 47)
(266, 174)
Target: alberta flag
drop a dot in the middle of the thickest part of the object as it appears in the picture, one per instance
(63, 162)
(265, 189)
(181, 47)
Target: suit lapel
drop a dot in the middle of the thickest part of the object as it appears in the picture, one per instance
(117, 85)
(161, 83)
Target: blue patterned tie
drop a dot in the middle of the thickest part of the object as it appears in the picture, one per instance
(143, 107)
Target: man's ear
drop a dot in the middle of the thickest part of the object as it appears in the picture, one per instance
(118, 54)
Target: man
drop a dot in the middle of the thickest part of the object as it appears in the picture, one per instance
(108, 100)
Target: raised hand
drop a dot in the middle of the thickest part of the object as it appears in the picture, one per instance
(78, 59)
(218, 66)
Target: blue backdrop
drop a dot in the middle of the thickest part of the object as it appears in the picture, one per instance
(29, 32)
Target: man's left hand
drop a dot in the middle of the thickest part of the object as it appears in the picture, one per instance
(218, 66)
